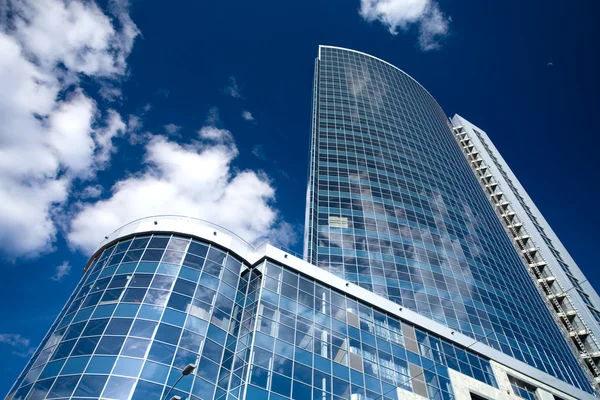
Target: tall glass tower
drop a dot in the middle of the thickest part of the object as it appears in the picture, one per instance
(394, 207)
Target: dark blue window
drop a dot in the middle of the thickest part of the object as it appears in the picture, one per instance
(162, 353)
(64, 386)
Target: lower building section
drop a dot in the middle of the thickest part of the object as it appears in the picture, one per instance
(257, 324)
(311, 340)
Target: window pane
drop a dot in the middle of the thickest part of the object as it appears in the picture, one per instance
(131, 256)
(205, 294)
(155, 372)
(162, 282)
(193, 261)
(52, 369)
(168, 333)
(259, 377)
(280, 384)
(85, 346)
(118, 281)
(198, 249)
(134, 295)
(216, 255)
(110, 345)
(40, 389)
(191, 341)
(139, 243)
(119, 326)
(112, 295)
(179, 302)
(75, 365)
(64, 349)
(91, 385)
(213, 351)
(212, 268)
(95, 327)
(64, 386)
(161, 352)
(140, 280)
(185, 287)
(128, 366)
(147, 391)
(118, 388)
(157, 297)
(183, 358)
(207, 370)
(143, 328)
(101, 364)
(135, 347)
(158, 242)
(74, 331)
(178, 244)
(173, 257)
(153, 254)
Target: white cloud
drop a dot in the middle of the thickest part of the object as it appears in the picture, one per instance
(135, 123)
(61, 271)
(259, 152)
(172, 129)
(14, 340)
(79, 35)
(195, 180)
(20, 345)
(91, 192)
(53, 133)
(113, 127)
(213, 118)
(397, 15)
(433, 28)
(232, 89)
(247, 115)
(221, 136)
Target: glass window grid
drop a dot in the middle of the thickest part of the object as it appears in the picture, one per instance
(73, 366)
(522, 389)
(374, 356)
(386, 133)
(380, 343)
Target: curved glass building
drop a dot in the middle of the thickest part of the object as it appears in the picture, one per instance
(394, 207)
(147, 306)
(165, 292)
(411, 287)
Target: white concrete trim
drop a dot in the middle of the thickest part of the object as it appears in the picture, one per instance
(404, 394)
(501, 370)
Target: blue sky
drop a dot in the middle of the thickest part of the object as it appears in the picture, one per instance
(112, 111)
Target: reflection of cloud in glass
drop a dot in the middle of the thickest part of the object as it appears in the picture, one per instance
(157, 297)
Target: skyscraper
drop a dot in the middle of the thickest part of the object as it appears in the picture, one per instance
(412, 286)
(395, 207)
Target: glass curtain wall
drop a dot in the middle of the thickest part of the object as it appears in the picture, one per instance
(395, 208)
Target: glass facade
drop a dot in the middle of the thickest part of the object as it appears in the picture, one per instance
(395, 208)
(145, 308)
(149, 305)
(313, 341)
